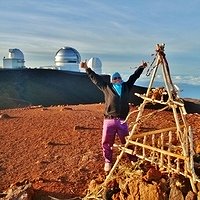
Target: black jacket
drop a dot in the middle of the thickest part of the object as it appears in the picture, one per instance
(115, 105)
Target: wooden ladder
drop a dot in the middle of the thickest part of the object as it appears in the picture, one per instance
(156, 146)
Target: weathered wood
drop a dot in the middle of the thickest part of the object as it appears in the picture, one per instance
(159, 150)
(143, 149)
(194, 177)
(141, 135)
(171, 102)
(162, 148)
(169, 149)
(153, 145)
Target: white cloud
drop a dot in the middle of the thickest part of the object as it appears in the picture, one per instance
(187, 79)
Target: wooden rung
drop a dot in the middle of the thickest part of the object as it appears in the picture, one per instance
(135, 148)
(153, 144)
(151, 100)
(144, 142)
(160, 151)
(155, 132)
(162, 148)
(126, 150)
(161, 102)
(169, 162)
(178, 103)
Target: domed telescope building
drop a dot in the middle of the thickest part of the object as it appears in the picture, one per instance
(15, 59)
(67, 58)
(95, 64)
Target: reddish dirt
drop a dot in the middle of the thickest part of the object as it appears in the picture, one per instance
(58, 149)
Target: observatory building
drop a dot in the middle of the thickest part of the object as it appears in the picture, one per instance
(15, 59)
(67, 58)
(95, 64)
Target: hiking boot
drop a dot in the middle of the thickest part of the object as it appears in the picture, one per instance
(107, 167)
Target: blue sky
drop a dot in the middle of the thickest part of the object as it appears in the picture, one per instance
(120, 33)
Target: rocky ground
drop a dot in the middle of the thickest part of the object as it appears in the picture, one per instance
(58, 149)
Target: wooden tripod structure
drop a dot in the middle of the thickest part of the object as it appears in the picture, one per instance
(157, 146)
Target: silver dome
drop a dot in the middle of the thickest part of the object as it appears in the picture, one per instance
(16, 54)
(67, 55)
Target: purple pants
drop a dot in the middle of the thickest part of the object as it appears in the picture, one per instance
(111, 127)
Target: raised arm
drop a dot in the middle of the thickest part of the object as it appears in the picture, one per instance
(136, 74)
(95, 78)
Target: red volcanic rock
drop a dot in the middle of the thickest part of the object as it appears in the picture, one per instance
(59, 152)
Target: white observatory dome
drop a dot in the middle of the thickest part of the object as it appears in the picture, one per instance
(67, 58)
(15, 59)
(95, 64)
(15, 54)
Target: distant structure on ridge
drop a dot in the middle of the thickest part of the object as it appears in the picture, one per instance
(95, 64)
(15, 59)
(67, 58)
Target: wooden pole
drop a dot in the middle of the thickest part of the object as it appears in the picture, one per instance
(192, 153)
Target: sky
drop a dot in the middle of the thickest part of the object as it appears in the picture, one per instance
(121, 33)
